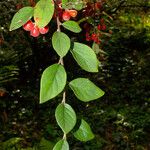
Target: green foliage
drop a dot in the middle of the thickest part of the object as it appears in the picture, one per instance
(61, 43)
(120, 121)
(72, 26)
(53, 81)
(43, 12)
(61, 145)
(84, 132)
(21, 17)
(65, 117)
(85, 90)
(85, 57)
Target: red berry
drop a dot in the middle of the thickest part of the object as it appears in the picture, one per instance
(73, 13)
(94, 36)
(97, 5)
(35, 32)
(103, 27)
(99, 27)
(44, 30)
(28, 26)
(66, 16)
(88, 38)
(102, 20)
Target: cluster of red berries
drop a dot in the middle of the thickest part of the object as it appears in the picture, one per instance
(93, 37)
(67, 14)
(35, 31)
(101, 25)
(97, 34)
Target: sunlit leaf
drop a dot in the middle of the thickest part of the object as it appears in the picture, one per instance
(85, 90)
(53, 81)
(65, 117)
(21, 17)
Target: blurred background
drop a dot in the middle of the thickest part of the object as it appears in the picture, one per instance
(120, 120)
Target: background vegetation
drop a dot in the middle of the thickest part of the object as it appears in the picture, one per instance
(120, 120)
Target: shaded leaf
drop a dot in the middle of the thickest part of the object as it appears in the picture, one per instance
(84, 133)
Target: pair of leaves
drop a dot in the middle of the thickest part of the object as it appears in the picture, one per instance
(84, 133)
(42, 12)
(53, 81)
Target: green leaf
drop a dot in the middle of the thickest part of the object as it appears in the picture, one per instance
(73, 4)
(85, 57)
(97, 49)
(46, 144)
(61, 43)
(61, 145)
(21, 17)
(72, 26)
(84, 132)
(53, 81)
(85, 90)
(65, 117)
(43, 12)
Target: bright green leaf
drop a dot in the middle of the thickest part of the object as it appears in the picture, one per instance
(61, 145)
(43, 12)
(84, 133)
(85, 90)
(53, 81)
(61, 43)
(65, 117)
(85, 57)
(72, 26)
(21, 17)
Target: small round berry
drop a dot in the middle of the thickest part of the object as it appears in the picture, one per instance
(99, 27)
(97, 5)
(103, 27)
(102, 20)
(73, 13)
(66, 16)
(35, 32)
(88, 37)
(44, 30)
(28, 26)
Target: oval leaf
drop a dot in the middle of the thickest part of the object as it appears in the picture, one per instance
(61, 43)
(84, 133)
(72, 26)
(61, 145)
(21, 17)
(85, 90)
(43, 12)
(53, 81)
(85, 57)
(65, 117)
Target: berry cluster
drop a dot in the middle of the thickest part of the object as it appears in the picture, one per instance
(67, 14)
(35, 31)
(96, 34)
